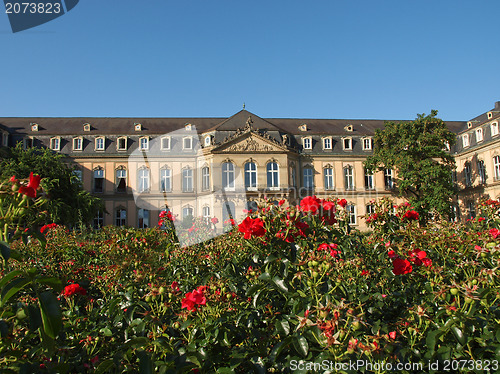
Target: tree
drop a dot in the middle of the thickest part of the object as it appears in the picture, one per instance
(69, 204)
(417, 151)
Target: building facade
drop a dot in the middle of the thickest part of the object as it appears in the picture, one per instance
(218, 167)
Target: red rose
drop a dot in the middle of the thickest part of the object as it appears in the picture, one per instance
(252, 226)
(214, 220)
(342, 203)
(401, 266)
(392, 254)
(281, 202)
(74, 289)
(495, 233)
(174, 286)
(47, 227)
(310, 204)
(411, 215)
(328, 205)
(193, 299)
(30, 189)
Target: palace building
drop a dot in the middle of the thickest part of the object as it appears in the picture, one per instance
(217, 167)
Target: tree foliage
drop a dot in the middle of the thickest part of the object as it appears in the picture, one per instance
(417, 151)
(69, 203)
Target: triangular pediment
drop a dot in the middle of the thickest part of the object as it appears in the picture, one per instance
(242, 119)
(250, 142)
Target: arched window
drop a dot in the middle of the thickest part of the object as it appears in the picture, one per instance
(328, 173)
(308, 177)
(121, 180)
(143, 181)
(273, 177)
(205, 178)
(165, 180)
(349, 178)
(250, 175)
(227, 175)
(98, 180)
(187, 180)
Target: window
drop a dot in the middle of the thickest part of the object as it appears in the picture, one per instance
(99, 144)
(347, 144)
(207, 141)
(307, 143)
(467, 174)
(308, 178)
(98, 180)
(5, 139)
(303, 127)
(121, 180)
(370, 209)
(143, 218)
(205, 178)
(367, 144)
(273, 180)
(137, 127)
(121, 145)
(327, 143)
(479, 135)
(143, 180)
(187, 212)
(206, 214)
(188, 127)
(34, 127)
(348, 178)
(78, 173)
(187, 143)
(328, 173)
(369, 185)
(121, 217)
(388, 180)
(165, 180)
(144, 144)
(98, 220)
(250, 175)
(454, 179)
(55, 143)
(465, 140)
(28, 143)
(165, 143)
(471, 210)
(227, 175)
(293, 175)
(187, 180)
(86, 127)
(351, 211)
(77, 144)
(454, 213)
(481, 171)
(494, 129)
(496, 166)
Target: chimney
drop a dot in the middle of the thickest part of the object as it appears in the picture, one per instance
(497, 105)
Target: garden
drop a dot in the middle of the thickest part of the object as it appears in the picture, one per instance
(289, 289)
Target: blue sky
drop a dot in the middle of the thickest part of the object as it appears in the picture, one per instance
(318, 59)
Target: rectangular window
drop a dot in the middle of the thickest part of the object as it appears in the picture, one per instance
(186, 212)
(99, 220)
(328, 173)
(367, 144)
(143, 218)
(388, 180)
(187, 143)
(99, 144)
(250, 175)
(479, 135)
(121, 217)
(465, 140)
(77, 144)
(370, 209)
(327, 143)
(307, 143)
(467, 174)
(165, 143)
(121, 180)
(471, 210)
(143, 180)
(293, 175)
(122, 144)
(273, 180)
(144, 143)
(348, 178)
(369, 185)
(308, 178)
(165, 180)
(347, 143)
(206, 214)
(98, 180)
(496, 166)
(455, 213)
(494, 129)
(187, 180)
(55, 144)
(78, 173)
(5, 140)
(205, 178)
(481, 171)
(351, 211)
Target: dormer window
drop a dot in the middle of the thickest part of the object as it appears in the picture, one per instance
(327, 143)
(490, 115)
(479, 135)
(188, 127)
(347, 144)
(367, 144)
(494, 129)
(144, 143)
(207, 141)
(55, 143)
(303, 127)
(78, 143)
(100, 143)
(165, 143)
(86, 127)
(34, 127)
(348, 128)
(307, 143)
(469, 124)
(121, 144)
(137, 127)
(187, 142)
(465, 140)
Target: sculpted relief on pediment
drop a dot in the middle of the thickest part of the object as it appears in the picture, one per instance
(251, 145)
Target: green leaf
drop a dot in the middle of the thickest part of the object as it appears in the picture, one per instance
(51, 314)
(283, 327)
(459, 335)
(5, 250)
(105, 366)
(35, 317)
(270, 258)
(265, 276)
(225, 370)
(12, 288)
(278, 348)
(280, 284)
(53, 282)
(145, 363)
(301, 345)
(9, 276)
